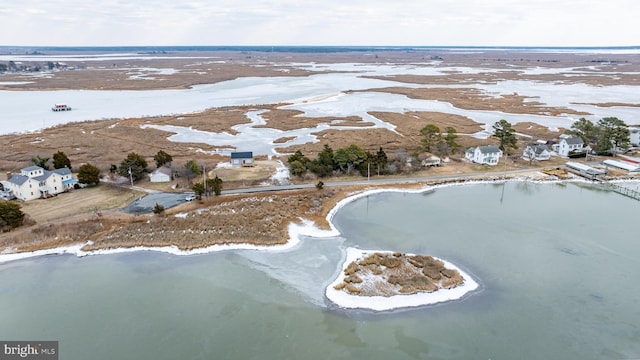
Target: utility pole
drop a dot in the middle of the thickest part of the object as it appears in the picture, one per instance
(133, 194)
(204, 179)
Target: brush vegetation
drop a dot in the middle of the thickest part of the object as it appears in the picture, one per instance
(387, 274)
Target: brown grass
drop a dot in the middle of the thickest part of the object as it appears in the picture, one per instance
(392, 274)
(475, 99)
(224, 219)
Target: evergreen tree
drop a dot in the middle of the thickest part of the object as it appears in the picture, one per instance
(11, 216)
(40, 161)
(134, 165)
(431, 136)
(216, 185)
(88, 174)
(451, 140)
(507, 136)
(614, 134)
(162, 158)
(323, 166)
(586, 130)
(60, 160)
(349, 158)
(158, 209)
(381, 161)
(298, 163)
(198, 189)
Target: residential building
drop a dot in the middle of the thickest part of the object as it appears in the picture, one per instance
(161, 174)
(485, 154)
(244, 158)
(34, 182)
(536, 151)
(568, 144)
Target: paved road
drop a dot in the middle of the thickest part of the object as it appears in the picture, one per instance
(145, 204)
(376, 181)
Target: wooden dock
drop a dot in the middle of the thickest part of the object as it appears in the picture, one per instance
(634, 194)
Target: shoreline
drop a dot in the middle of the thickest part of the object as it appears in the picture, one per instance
(397, 301)
(306, 228)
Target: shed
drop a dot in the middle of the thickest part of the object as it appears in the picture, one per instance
(431, 161)
(162, 174)
(630, 168)
(242, 158)
(584, 170)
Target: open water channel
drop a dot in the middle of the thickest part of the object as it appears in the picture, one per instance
(557, 263)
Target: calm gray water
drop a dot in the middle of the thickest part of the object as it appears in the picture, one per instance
(558, 267)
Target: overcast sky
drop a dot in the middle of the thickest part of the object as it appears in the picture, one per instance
(320, 22)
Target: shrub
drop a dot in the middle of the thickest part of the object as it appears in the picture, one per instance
(10, 215)
(158, 209)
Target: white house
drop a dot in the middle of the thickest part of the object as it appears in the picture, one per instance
(34, 182)
(161, 174)
(244, 158)
(485, 154)
(536, 151)
(568, 144)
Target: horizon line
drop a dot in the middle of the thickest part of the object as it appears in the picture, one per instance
(327, 46)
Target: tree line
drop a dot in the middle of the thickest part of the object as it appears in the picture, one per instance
(345, 160)
(605, 137)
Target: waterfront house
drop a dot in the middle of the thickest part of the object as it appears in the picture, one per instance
(34, 182)
(485, 154)
(536, 151)
(161, 174)
(569, 144)
(242, 158)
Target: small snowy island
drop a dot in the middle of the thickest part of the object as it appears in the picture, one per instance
(384, 280)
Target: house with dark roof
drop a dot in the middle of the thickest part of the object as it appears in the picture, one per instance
(242, 158)
(536, 151)
(485, 154)
(34, 182)
(568, 144)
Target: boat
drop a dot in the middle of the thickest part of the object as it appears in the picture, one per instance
(61, 107)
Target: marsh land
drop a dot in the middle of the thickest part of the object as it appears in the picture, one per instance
(280, 103)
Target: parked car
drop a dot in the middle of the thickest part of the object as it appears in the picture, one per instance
(190, 197)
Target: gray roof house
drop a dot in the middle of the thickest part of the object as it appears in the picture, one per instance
(34, 182)
(568, 144)
(536, 151)
(242, 158)
(485, 154)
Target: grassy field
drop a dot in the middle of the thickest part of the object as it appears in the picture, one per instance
(77, 202)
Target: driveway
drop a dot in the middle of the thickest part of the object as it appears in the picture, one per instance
(145, 204)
